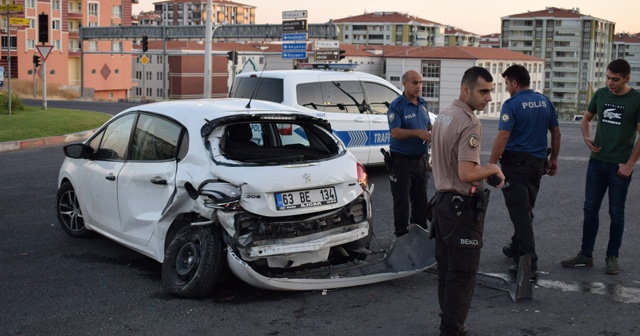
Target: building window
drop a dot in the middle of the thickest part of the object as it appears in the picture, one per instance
(138, 74)
(55, 25)
(31, 44)
(159, 75)
(116, 46)
(30, 3)
(117, 12)
(56, 45)
(93, 45)
(159, 59)
(149, 75)
(93, 9)
(431, 69)
(32, 23)
(55, 4)
(159, 92)
(149, 92)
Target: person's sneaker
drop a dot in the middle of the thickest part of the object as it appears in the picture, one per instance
(612, 265)
(578, 260)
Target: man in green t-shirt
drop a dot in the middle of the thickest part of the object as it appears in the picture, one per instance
(614, 152)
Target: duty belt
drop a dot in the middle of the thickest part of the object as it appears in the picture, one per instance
(399, 156)
(520, 158)
(450, 196)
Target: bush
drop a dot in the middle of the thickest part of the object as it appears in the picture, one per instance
(16, 103)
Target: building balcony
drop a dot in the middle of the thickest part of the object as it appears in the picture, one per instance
(77, 15)
(565, 89)
(74, 33)
(74, 52)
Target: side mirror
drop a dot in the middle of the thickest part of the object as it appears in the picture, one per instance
(78, 151)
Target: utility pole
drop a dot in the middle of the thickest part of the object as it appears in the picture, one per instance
(208, 36)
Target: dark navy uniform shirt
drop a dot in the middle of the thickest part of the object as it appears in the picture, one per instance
(406, 115)
(528, 115)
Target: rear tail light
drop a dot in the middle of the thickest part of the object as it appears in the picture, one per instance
(362, 176)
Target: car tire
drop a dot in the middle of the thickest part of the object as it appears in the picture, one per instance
(193, 262)
(69, 212)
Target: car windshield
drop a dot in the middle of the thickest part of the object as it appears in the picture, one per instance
(277, 142)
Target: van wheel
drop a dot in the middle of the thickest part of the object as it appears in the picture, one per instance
(193, 261)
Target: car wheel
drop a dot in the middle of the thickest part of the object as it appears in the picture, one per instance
(69, 213)
(193, 261)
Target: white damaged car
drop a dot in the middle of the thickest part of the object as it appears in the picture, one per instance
(258, 186)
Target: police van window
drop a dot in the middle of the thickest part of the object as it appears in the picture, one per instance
(309, 95)
(379, 96)
(343, 97)
(269, 89)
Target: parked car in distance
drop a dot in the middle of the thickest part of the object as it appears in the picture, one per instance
(201, 184)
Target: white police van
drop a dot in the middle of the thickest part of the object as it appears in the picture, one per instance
(355, 103)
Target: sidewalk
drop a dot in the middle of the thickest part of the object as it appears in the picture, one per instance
(11, 146)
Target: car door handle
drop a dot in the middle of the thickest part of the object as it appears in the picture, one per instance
(158, 180)
(379, 120)
(360, 119)
(110, 177)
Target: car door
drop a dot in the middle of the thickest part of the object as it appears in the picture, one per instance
(146, 182)
(344, 101)
(379, 97)
(96, 182)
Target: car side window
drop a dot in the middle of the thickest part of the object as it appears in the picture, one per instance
(379, 97)
(309, 95)
(155, 139)
(114, 140)
(343, 97)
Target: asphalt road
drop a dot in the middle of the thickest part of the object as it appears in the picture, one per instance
(53, 284)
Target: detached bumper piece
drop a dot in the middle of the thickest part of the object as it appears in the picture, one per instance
(409, 254)
(519, 290)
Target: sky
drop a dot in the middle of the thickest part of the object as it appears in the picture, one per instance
(479, 17)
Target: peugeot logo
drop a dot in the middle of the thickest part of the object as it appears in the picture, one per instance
(307, 177)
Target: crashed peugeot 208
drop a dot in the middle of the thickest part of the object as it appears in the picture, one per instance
(199, 184)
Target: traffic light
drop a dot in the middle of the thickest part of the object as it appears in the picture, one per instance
(43, 28)
(341, 54)
(36, 61)
(233, 56)
(145, 43)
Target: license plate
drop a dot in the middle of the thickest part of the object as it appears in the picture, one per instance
(305, 198)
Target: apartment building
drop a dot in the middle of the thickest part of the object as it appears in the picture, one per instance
(490, 41)
(149, 18)
(442, 69)
(457, 37)
(106, 75)
(390, 28)
(576, 49)
(627, 46)
(193, 12)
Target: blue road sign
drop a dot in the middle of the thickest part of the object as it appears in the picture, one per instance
(294, 37)
(294, 54)
(294, 46)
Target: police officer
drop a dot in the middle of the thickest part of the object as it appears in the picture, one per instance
(521, 146)
(460, 200)
(409, 126)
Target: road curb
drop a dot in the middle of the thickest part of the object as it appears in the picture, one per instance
(11, 146)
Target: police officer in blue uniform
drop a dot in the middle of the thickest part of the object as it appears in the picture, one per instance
(409, 126)
(521, 146)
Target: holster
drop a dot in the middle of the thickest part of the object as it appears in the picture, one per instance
(481, 200)
(388, 161)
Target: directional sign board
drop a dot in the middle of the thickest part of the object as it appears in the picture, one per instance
(294, 37)
(12, 8)
(297, 14)
(294, 26)
(19, 21)
(294, 54)
(44, 51)
(326, 44)
(294, 46)
(327, 55)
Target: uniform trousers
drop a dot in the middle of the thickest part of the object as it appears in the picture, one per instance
(458, 242)
(523, 178)
(409, 178)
